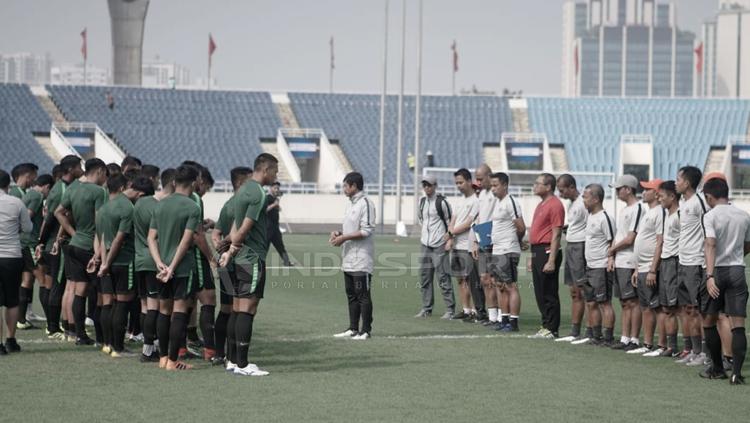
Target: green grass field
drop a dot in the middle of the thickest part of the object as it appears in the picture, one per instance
(406, 372)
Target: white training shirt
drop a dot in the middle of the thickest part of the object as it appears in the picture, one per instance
(671, 235)
(730, 226)
(645, 241)
(504, 236)
(576, 218)
(691, 230)
(600, 231)
(467, 209)
(628, 221)
(487, 202)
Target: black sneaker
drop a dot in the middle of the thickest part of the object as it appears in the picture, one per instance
(619, 346)
(12, 346)
(737, 380)
(84, 341)
(711, 373)
(607, 343)
(217, 360)
(633, 346)
(469, 318)
(3, 351)
(154, 357)
(459, 316)
(669, 353)
(489, 323)
(596, 341)
(728, 366)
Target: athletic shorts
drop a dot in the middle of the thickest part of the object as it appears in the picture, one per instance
(598, 286)
(668, 282)
(176, 289)
(484, 260)
(250, 279)
(10, 281)
(648, 296)
(624, 289)
(148, 285)
(105, 285)
(227, 283)
(462, 264)
(575, 264)
(202, 276)
(692, 286)
(76, 259)
(123, 279)
(732, 299)
(29, 264)
(504, 268)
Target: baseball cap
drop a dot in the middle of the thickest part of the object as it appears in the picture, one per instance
(712, 175)
(652, 184)
(430, 179)
(625, 181)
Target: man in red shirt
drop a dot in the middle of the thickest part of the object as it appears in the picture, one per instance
(546, 257)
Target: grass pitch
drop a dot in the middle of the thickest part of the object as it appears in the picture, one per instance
(411, 370)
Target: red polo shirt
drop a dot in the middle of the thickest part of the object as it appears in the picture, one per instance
(549, 214)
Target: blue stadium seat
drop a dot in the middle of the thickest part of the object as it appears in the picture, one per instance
(21, 116)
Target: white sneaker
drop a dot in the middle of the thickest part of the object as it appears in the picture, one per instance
(641, 350)
(698, 360)
(249, 370)
(348, 334)
(31, 316)
(584, 340)
(569, 338)
(89, 322)
(135, 338)
(655, 353)
(361, 337)
(447, 316)
(542, 334)
(686, 359)
(230, 367)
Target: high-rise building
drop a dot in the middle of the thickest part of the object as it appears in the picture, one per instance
(165, 75)
(726, 52)
(25, 68)
(625, 48)
(74, 75)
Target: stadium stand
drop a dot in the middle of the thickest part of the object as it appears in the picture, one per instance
(220, 129)
(683, 130)
(21, 116)
(453, 128)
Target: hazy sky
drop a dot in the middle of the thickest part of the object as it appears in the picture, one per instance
(282, 45)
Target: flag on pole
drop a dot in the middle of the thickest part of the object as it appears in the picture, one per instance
(455, 56)
(333, 65)
(84, 47)
(699, 59)
(211, 46)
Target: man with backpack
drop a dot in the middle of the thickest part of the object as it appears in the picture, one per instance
(434, 216)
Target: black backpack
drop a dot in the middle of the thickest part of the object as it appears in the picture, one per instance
(439, 200)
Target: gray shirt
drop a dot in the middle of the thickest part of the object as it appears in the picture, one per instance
(14, 219)
(358, 254)
(433, 228)
(730, 226)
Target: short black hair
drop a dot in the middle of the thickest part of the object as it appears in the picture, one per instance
(717, 188)
(114, 169)
(44, 180)
(567, 179)
(186, 175)
(549, 180)
(131, 161)
(143, 184)
(355, 178)
(57, 171)
(263, 160)
(276, 184)
(4, 179)
(23, 169)
(69, 163)
(150, 171)
(670, 187)
(131, 174)
(596, 190)
(167, 176)
(502, 177)
(208, 179)
(93, 164)
(239, 173)
(464, 173)
(116, 183)
(692, 174)
(197, 166)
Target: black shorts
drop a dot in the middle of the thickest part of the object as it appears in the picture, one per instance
(732, 299)
(624, 289)
(648, 296)
(598, 286)
(484, 260)
(227, 283)
(10, 281)
(105, 285)
(668, 282)
(462, 264)
(504, 268)
(202, 276)
(123, 279)
(76, 260)
(176, 289)
(148, 285)
(250, 279)
(575, 264)
(692, 286)
(29, 264)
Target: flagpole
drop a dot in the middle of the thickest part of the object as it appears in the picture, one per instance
(400, 129)
(381, 170)
(418, 114)
(208, 81)
(330, 70)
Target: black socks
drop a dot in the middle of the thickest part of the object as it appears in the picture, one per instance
(243, 335)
